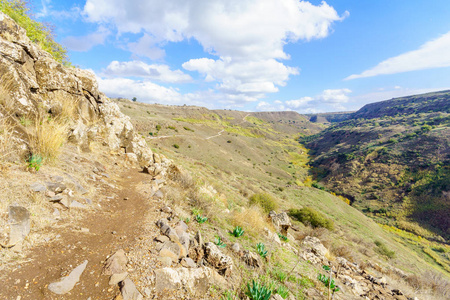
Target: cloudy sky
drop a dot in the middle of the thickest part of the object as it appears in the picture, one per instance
(256, 55)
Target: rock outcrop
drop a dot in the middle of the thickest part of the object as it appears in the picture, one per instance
(32, 81)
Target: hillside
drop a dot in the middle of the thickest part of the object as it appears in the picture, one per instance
(114, 199)
(392, 159)
(240, 154)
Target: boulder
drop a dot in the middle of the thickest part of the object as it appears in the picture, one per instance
(19, 220)
(116, 263)
(221, 262)
(196, 281)
(314, 250)
(252, 259)
(281, 221)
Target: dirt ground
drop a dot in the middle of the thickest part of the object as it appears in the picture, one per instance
(116, 226)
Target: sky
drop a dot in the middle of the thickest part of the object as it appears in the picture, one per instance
(257, 55)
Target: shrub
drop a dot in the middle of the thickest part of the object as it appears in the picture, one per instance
(158, 127)
(36, 31)
(188, 129)
(384, 250)
(309, 216)
(266, 201)
(176, 146)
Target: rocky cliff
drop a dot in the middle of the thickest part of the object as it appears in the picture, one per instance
(32, 82)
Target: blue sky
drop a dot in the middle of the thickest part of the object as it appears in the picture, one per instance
(256, 55)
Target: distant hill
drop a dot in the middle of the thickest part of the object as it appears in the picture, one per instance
(392, 159)
(329, 117)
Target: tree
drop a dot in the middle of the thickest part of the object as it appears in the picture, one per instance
(134, 99)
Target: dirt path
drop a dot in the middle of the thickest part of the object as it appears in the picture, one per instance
(117, 225)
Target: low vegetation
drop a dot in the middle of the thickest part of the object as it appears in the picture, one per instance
(266, 201)
(42, 35)
(309, 216)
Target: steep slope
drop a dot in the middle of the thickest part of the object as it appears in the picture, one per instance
(392, 159)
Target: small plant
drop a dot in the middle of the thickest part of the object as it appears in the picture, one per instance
(257, 291)
(35, 162)
(187, 220)
(282, 237)
(283, 291)
(158, 127)
(238, 231)
(176, 146)
(328, 281)
(218, 241)
(25, 121)
(261, 249)
(200, 219)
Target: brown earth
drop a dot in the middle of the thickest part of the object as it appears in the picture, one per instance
(116, 226)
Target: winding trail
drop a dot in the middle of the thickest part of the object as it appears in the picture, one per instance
(115, 226)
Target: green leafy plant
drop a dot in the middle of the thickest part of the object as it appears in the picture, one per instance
(328, 281)
(282, 237)
(200, 219)
(187, 220)
(261, 249)
(238, 231)
(35, 162)
(218, 241)
(257, 291)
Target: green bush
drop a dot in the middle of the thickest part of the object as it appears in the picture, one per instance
(36, 31)
(176, 146)
(309, 216)
(383, 250)
(266, 201)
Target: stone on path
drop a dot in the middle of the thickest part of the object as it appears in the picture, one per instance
(116, 278)
(116, 264)
(38, 187)
(67, 283)
(19, 220)
(129, 290)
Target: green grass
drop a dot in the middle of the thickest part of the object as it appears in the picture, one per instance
(39, 33)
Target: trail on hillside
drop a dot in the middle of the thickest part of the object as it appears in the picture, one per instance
(115, 226)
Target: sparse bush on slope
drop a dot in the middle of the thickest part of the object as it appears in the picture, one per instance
(266, 201)
(309, 216)
(39, 33)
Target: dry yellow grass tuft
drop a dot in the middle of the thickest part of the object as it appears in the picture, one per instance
(47, 138)
(6, 136)
(252, 220)
(64, 106)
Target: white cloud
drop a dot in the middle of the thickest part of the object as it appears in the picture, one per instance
(85, 43)
(247, 36)
(334, 98)
(145, 91)
(140, 69)
(433, 54)
(253, 78)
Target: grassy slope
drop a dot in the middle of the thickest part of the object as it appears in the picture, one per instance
(262, 155)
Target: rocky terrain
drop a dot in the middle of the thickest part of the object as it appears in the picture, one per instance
(89, 211)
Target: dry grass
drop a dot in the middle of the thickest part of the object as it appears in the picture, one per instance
(64, 107)
(6, 138)
(252, 220)
(47, 138)
(6, 101)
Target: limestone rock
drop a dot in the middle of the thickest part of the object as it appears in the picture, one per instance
(221, 262)
(196, 281)
(19, 220)
(196, 253)
(188, 263)
(281, 221)
(67, 283)
(116, 278)
(56, 187)
(116, 263)
(252, 259)
(129, 291)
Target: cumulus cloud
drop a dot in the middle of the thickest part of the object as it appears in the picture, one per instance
(254, 78)
(247, 36)
(161, 73)
(145, 91)
(330, 97)
(85, 43)
(433, 54)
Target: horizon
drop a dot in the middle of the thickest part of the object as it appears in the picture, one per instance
(306, 56)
